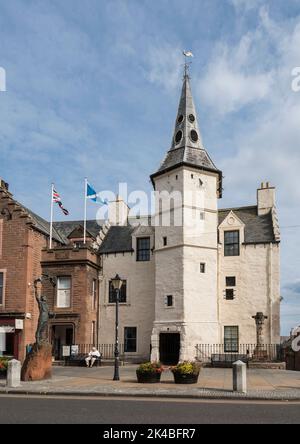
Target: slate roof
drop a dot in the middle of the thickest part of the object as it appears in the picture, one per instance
(65, 228)
(43, 226)
(117, 239)
(188, 155)
(258, 229)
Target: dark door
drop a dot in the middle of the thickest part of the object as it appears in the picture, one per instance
(69, 336)
(169, 348)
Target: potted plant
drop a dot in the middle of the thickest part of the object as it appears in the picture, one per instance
(186, 372)
(3, 367)
(149, 372)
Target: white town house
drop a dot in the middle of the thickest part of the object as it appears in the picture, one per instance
(200, 277)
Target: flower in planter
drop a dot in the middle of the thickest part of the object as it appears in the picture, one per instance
(150, 368)
(3, 364)
(186, 368)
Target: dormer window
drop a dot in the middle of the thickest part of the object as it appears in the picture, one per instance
(180, 119)
(232, 243)
(192, 118)
(143, 249)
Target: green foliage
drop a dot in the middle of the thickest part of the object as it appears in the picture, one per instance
(3, 364)
(150, 367)
(187, 368)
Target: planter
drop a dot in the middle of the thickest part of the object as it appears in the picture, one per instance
(180, 378)
(148, 378)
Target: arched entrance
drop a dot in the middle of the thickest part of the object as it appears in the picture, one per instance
(169, 348)
(61, 334)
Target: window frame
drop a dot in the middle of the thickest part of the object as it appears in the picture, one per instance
(58, 289)
(94, 293)
(229, 283)
(169, 297)
(231, 341)
(232, 247)
(143, 254)
(126, 339)
(111, 293)
(229, 294)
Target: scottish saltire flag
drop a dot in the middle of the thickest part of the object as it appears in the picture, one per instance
(92, 195)
(56, 198)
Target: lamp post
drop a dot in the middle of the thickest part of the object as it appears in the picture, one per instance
(117, 284)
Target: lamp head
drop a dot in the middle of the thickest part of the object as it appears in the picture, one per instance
(117, 282)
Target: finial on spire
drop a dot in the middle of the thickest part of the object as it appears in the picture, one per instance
(187, 64)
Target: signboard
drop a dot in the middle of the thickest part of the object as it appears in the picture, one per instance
(74, 350)
(65, 350)
(19, 324)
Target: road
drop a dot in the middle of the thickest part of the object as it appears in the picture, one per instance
(59, 410)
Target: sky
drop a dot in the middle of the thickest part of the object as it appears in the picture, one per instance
(92, 90)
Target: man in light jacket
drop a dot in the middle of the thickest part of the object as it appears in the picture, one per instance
(91, 358)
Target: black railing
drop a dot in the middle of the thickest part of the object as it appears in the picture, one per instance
(107, 350)
(233, 351)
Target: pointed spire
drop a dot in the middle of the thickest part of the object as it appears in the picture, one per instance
(186, 132)
(187, 147)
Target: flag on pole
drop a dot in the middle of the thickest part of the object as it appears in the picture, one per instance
(57, 199)
(92, 195)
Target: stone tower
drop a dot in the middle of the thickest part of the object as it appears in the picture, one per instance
(187, 186)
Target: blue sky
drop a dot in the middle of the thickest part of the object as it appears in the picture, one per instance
(93, 87)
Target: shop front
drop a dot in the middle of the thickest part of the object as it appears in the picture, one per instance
(10, 336)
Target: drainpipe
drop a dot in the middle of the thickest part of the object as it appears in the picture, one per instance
(100, 280)
(271, 290)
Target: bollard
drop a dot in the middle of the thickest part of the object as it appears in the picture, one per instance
(13, 373)
(239, 377)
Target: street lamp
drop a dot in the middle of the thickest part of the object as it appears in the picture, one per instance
(117, 284)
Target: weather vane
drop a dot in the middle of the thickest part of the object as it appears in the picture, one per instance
(187, 64)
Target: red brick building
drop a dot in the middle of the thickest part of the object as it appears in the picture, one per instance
(24, 256)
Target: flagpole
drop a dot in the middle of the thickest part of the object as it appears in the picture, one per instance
(51, 216)
(84, 221)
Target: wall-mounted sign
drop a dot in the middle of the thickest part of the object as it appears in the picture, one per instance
(19, 324)
(66, 350)
(74, 350)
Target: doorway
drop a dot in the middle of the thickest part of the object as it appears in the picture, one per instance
(169, 348)
(61, 335)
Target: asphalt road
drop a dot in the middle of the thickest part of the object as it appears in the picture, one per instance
(41, 410)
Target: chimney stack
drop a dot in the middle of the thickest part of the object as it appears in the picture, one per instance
(265, 198)
(118, 212)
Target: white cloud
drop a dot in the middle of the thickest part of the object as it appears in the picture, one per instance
(163, 61)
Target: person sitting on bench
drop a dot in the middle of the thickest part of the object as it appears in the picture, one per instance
(91, 358)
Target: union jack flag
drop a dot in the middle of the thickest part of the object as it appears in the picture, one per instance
(56, 198)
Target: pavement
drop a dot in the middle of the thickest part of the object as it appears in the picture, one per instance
(213, 383)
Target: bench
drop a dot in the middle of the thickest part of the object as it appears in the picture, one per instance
(227, 359)
(79, 360)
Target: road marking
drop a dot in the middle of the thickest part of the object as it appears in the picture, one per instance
(154, 399)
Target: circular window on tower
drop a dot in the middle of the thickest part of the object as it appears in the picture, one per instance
(178, 136)
(180, 118)
(191, 118)
(194, 136)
